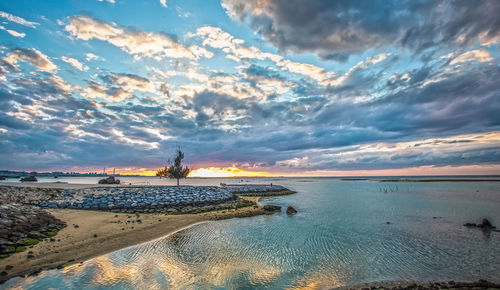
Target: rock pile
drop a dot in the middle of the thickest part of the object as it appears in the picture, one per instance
(22, 226)
(22, 194)
(146, 199)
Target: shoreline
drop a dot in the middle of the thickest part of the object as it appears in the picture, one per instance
(99, 232)
(409, 285)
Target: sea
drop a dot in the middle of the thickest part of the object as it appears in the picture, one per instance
(347, 231)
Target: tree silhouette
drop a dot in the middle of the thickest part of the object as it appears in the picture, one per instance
(175, 170)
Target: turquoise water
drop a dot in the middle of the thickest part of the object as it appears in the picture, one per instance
(339, 237)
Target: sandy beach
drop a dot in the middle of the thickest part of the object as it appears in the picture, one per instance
(93, 233)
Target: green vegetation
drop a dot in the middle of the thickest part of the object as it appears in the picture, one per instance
(20, 249)
(28, 242)
(175, 170)
(23, 244)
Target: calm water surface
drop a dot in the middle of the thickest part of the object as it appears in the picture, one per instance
(339, 237)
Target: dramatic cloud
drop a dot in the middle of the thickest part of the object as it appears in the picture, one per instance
(478, 55)
(118, 87)
(90, 57)
(458, 150)
(18, 20)
(33, 56)
(13, 32)
(217, 38)
(135, 42)
(75, 63)
(338, 29)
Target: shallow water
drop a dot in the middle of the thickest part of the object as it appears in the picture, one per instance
(339, 237)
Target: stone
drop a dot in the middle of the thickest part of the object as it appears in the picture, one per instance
(469, 225)
(291, 210)
(485, 223)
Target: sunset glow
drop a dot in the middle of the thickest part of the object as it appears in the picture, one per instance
(226, 172)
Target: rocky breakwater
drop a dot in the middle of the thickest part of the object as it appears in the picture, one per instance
(257, 189)
(169, 199)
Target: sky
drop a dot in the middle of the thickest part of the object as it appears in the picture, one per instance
(268, 87)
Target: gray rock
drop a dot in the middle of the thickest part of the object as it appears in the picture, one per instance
(291, 210)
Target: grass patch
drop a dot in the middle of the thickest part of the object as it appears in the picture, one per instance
(51, 234)
(20, 249)
(28, 242)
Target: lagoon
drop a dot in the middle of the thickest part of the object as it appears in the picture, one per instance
(346, 232)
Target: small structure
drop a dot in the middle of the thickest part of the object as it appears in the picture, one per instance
(29, 179)
(109, 180)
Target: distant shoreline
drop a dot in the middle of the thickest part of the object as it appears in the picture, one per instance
(439, 180)
(423, 180)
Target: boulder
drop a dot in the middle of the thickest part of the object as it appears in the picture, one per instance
(109, 180)
(485, 223)
(29, 178)
(291, 210)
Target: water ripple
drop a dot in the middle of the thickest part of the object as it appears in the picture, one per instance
(339, 237)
